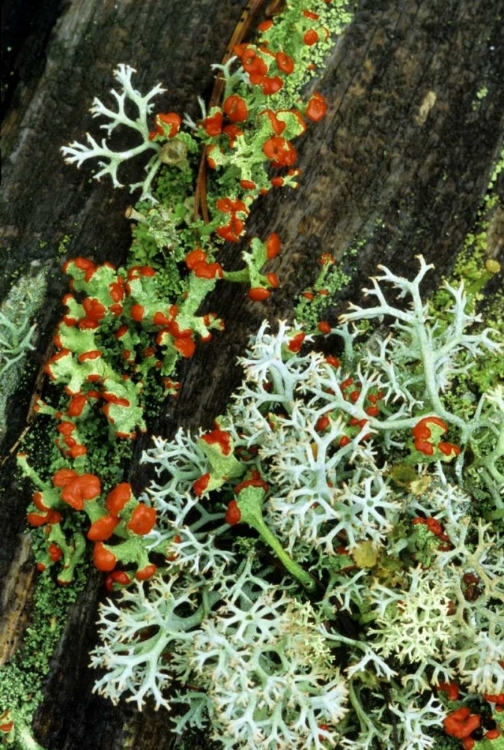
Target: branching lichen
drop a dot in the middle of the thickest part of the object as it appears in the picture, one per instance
(413, 565)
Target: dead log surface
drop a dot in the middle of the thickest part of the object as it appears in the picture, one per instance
(400, 166)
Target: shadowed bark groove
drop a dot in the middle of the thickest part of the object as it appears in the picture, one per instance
(398, 167)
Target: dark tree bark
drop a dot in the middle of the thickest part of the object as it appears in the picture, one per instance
(399, 167)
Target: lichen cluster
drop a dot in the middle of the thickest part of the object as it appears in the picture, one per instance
(324, 567)
(17, 334)
(342, 469)
(124, 329)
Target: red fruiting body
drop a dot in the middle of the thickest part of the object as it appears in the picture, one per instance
(324, 327)
(231, 232)
(36, 519)
(310, 37)
(5, 724)
(172, 119)
(326, 259)
(143, 520)
(210, 160)
(448, 449)
(76, 451)
(284, 62)
(422, 429)
(232, 132)
(229, 206)
(316, 108)
(372, 411)
(119, 577)
(206, 270)
(470, 578)
(497, 699)
(252, 62)
(233, 514)
(103, 558)
(270, 85)
(185, 333)
(54, 552)
(332, 360)
(296, 342)
(137, 312)
(83, 264)
(53, 359)
(83, 487)
(451, 689)
(94, 354)
(258, 294)
(145, 573)
(121, 331)
(112, 398)
(201, 484)
(219, 437)
(424, 447)
(254, 481)
(273, 280)
(265, 25)
(135, 271)
(102, 529)
(213, 124)
(234, 228)
(117, 498)
(272, 246)
(422, 433)
(159, 319)
(185, 346)
(277, 125)
(492, 734)
(434, 527)
(76, 405)
(195, 256)
(38, 501)
(461, 723)
(322, 423)
(235, 108)
(116, 290)
(281, 151)
(94, 309)
(63, 476)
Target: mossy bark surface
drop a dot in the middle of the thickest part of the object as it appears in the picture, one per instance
(398, 167)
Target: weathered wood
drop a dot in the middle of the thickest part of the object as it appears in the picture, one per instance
(399, 167)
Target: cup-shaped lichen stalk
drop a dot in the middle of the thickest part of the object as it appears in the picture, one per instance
(483, 276)
(247, 508)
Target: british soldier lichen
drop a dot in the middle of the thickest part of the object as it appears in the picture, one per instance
(324, 566)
